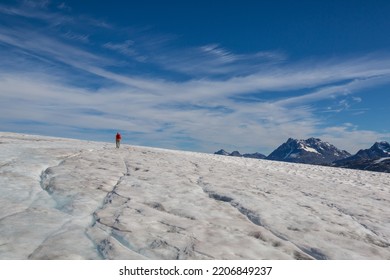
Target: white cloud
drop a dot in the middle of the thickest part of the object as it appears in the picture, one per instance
(78, 37)
(209, 106)
(352, 139)
(64, 6)
(220, 53)
(357, 99)
(126, 48)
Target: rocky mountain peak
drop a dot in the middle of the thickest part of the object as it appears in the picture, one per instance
(312, 151)
(382, 146)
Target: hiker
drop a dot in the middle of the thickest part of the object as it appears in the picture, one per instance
(118, 138)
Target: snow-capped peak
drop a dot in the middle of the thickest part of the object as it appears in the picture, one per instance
(384, 146)
(312, 150)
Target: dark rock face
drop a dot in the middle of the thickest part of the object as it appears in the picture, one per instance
(376, 158)
(378, 150)
(310, 151)
(255, 155)
(222, 152)
(237, 154)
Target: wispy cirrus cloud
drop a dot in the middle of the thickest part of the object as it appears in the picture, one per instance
(126, 48)
(78, 37)
(36, 10)
(200, 97)
(213, 61)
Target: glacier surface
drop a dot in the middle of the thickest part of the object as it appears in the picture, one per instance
(73, 199)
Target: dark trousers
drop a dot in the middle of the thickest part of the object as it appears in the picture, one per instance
(118, 142)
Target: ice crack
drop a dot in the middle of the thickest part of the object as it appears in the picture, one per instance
(251, 215)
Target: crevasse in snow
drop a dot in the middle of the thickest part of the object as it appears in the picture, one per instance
(71, 199)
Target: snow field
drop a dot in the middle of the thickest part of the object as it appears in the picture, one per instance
(72, 199)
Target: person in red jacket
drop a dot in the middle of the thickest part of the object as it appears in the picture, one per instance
(118, 138)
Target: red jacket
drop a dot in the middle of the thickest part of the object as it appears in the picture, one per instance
(118, 136)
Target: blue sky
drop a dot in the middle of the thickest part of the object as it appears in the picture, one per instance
(194, 75)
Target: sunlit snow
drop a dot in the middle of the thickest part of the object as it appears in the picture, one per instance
(71, 199)
(308, 149)
(381, 160)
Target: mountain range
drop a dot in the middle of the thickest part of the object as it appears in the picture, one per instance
(376, 158)
(311, 151)
(318, 152)
(237, 154)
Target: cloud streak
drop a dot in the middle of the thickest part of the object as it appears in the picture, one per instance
(200, 98)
